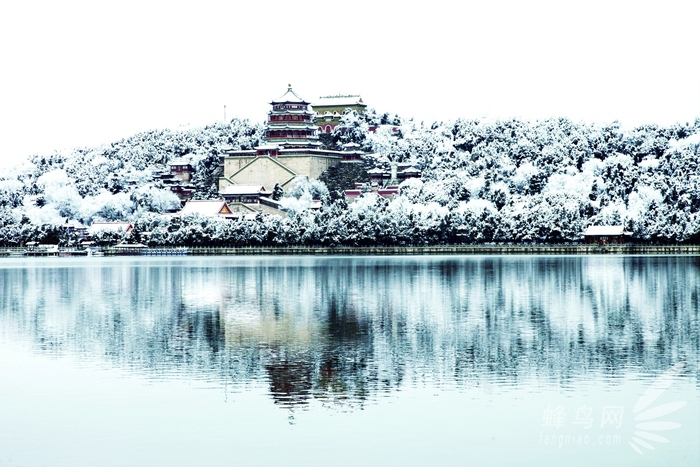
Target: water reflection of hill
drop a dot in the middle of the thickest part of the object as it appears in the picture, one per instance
(345, 329)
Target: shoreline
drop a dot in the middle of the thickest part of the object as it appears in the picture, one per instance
(416, 250)
(375, 250)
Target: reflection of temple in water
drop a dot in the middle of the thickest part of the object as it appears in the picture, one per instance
(341, 331)
(290, 377)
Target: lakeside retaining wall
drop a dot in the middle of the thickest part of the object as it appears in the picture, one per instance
(417, 250)
(387, 251)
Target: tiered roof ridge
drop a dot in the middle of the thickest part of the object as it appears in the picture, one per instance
(289, 96)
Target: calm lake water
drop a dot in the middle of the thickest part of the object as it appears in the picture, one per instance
(460, 360)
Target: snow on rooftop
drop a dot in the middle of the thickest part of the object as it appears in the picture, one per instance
(205, 207)
(290, 126)
(109, 227)
(610, 230)
(74, 224)
(290, 96)
(338, 100)
(243, 189)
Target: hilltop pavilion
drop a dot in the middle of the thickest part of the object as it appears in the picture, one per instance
(330, 109)
(291, 148)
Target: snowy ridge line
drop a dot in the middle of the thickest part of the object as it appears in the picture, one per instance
(418, 250)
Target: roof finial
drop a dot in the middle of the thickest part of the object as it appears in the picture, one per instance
(290, 87)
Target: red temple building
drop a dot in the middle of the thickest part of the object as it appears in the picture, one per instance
(330, 109)
(291, 148)
(290, 122)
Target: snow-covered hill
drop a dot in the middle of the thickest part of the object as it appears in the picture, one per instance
(483, 181)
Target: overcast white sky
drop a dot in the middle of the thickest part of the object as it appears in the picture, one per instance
(85, 73)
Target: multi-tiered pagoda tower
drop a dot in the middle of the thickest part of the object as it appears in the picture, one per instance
(291, 149)
(290, 123)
